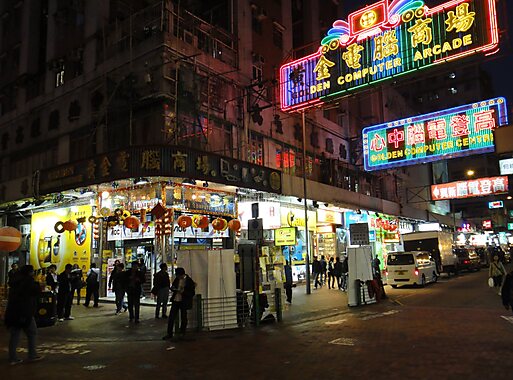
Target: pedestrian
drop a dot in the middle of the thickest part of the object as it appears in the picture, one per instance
(133, 280)
(376, 265)
(331, 273)
(64, 294)
(21, 308)
(183, 289)
(288, 281)
(324, 269)
(161, 284)
(142, 269)
(117, 285)
(316, 272)
(12, 273)
(51, 278)
(497, 272)
(76, 282)
(507, 291)
(92, 286)
(345, 271)
(337, 272)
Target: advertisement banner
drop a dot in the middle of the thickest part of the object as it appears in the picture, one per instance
(69, 247)
(120, 232)
(285, 236)
(268, 211)
(293, 217)
(472, 188)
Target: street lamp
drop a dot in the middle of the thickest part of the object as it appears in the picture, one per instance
(307, 245)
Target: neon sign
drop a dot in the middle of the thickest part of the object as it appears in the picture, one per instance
(454, 132)
(468, 189)
(383, 41)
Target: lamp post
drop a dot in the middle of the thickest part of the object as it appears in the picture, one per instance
(307, 258)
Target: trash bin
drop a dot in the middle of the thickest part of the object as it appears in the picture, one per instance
(46, 314)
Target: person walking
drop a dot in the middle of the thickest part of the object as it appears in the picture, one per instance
(92, 286)
(316, 272)
(337, 272)
(64, 295)
(133, 280)
(345, 271)
(76, 282)
(51, 278)
(497, 272)
(183, 289)
(507, 291)
(161, 284)
(288, 281)
(21, 308)
(331, 273)
(12, 273)
(324, 269)
(117, 285)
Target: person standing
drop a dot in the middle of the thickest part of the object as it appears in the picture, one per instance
(324, 269)
(51, 278)
(92, 285)
(288, 281)
(161, 284)
(133, 280)
(497, 272)
(21, 308)
(76, 282)
(331, 273)
(12, 273)
(183, 289)
(117, 285)
(64, 295)
(316, 272)
(507, 291)
(345, 271)
(337, 272)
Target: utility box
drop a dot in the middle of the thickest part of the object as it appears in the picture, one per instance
(360, 271)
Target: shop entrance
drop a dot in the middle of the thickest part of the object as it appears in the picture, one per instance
(142, 251)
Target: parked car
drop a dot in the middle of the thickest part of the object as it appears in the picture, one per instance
(484, 256)
(410, 268)
(468, 259)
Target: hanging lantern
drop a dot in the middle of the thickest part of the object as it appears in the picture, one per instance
(219, 224)
(234, 225)
(10, 239)
(200, 221)
(70, 225)
(131, 222)
(184, 221)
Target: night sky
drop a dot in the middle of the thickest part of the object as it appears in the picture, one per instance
(499, 65)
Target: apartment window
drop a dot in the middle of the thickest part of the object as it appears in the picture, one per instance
(5, 140)
(35, 128)
(59, 77)
(74, 110)
(329, 145)
(257, 73)
(278, 35)
(53, 120)
(256, 149)
(19, 135)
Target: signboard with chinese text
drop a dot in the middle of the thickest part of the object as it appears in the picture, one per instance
(510, 226)
(454, 132)
(471, 188)
(384, 41)
(506, 166)
(495, 204)
(487, 224)
(160, 161)
(285, 236)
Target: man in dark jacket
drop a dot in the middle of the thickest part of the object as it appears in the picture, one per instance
(316, 272)
(64, 295)
(161, 286)
(337, 272)
(117, 284)
(21, 308)
(507, 291)
(183, 289)
(133, 280)
(288, 281)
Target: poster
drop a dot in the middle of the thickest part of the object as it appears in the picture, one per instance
(49, 247)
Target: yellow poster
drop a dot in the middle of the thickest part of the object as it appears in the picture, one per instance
(69, 247)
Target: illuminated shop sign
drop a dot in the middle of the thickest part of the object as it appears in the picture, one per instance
(383, 41)
(506, 166)
(468, 189)
(285, 236)
(495, 204)
(454, 132)
(487, 224)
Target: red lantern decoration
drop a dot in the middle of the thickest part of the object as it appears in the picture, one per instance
(184, 221)
(219, 224)
(10, 239)
(200, 221)
(131, 222)
(70, 225)
(234, 225)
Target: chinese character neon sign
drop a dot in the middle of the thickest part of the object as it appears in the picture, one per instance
(384, 40)
(468, 189)
(455, 132)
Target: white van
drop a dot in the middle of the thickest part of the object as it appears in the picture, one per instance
(410, 268)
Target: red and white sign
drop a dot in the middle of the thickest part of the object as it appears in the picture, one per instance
(487, 224)
(472, 188)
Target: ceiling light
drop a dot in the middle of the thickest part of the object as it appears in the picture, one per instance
(105, 194)
(140, 181)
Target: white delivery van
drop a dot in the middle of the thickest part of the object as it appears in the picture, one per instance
(439, 246)
(410, 268)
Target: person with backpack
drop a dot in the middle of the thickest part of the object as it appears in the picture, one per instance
(92, 285)
(183, 289)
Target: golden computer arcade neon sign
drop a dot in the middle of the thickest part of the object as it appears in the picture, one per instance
(383, 41)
